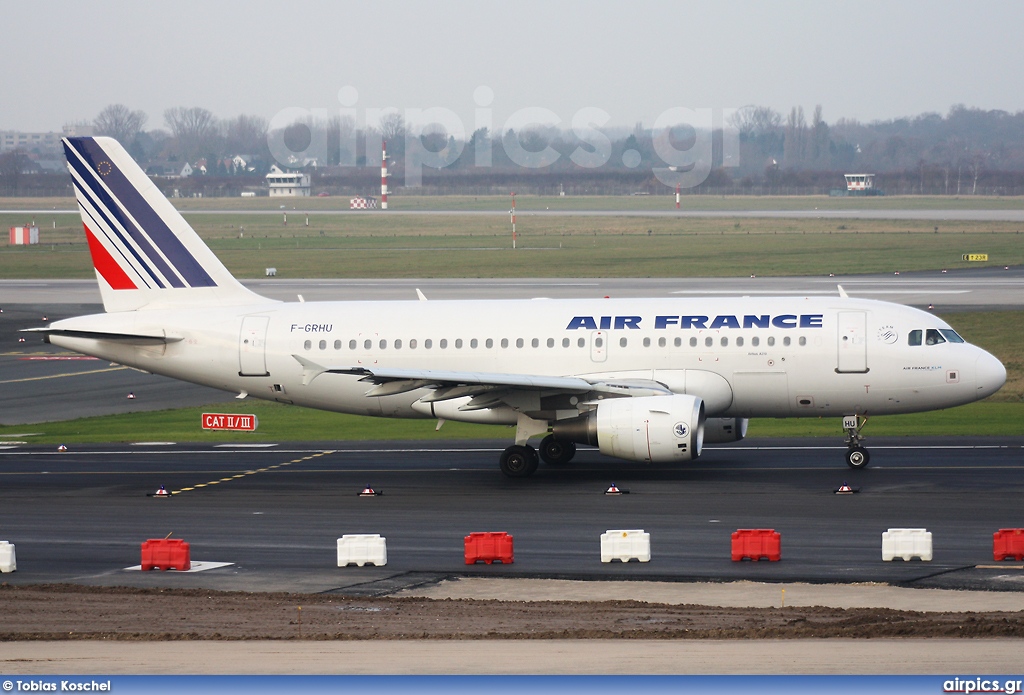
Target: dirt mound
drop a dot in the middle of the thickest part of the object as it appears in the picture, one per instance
(72, 612)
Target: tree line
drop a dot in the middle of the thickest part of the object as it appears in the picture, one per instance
(760, 151)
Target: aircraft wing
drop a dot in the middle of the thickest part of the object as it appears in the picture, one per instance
(454, 384)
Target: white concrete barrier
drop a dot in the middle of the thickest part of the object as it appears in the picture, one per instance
(362, 548)
(8, 563)
(906, 543)
(623, 545)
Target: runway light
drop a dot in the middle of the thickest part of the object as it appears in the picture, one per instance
(370, 492)
(62, 448)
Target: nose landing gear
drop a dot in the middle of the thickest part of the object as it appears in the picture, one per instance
(856, 455)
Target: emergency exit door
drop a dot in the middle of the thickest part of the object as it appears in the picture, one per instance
(853, 345)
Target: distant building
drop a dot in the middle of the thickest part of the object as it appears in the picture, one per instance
(287, 184)
(79, 131)
(29, 142)
(186, 170)
(859, 183)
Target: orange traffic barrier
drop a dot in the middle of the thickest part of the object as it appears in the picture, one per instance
(756, 543)
(488, 547)
(1008, 544)
(166, 554)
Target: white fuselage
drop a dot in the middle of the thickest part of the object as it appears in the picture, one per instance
(745, 357)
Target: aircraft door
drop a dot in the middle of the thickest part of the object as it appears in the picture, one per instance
(852, 349)
(599, 346)
(252, 346)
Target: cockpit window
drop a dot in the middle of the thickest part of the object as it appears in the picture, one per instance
(914, 337)
(933, 337)
(951, 335)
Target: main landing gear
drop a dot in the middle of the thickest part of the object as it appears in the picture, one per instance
(856, 455)
(521, 460)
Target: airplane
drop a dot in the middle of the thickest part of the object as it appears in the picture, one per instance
(644, 380)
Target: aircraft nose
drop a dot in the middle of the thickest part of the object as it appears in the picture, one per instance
(989, 374)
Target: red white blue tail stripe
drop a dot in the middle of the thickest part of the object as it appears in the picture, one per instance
(131, 244)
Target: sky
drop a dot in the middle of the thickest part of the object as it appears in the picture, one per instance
(483, 62)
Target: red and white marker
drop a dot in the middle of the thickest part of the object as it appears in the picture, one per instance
(383, 175)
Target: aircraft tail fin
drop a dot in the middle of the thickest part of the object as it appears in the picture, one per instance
(144, 252)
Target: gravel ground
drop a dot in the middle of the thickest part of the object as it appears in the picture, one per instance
(67, 612)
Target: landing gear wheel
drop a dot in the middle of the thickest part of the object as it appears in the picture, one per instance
(556, 452)
(519, 461)
(857, 457)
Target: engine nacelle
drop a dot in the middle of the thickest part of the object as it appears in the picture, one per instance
(721, 430)
(652, 429)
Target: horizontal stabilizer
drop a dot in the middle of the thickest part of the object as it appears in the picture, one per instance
(153, 338)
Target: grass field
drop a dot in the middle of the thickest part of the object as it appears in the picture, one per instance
(399, 200)
(281, 423)
(378, 245)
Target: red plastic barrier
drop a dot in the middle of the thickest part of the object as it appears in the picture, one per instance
(488, 546)
(166, 554)
(756, 543)
(1008, 544)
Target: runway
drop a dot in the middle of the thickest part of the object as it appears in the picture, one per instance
(275, 513)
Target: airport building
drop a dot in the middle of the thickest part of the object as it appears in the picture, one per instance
(287, 184)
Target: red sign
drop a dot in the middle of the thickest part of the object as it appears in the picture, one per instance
(230, 421)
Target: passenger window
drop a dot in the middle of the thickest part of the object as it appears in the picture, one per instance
(803, 340)
(337, 344)
(308, 344)
(914, 338)
(412, 344)
(504, 342)
(581, 342)
(678, 342)
(443, 344)
(739, 342)
(647, 342)
(933, 337)
(398, 344)
(786, 341)
(352, 344)
(535, 342)
(565, 342)
(367, 344)
(771, 340)
(709, 341)
(661, 342)
(598, 342)
(428, 343)
(693, 342)
(755, 341)
(725, 342)
(383, 345)
(519, 342)
(551, 342)
(473, 343)
(489, 343)
(623, 342)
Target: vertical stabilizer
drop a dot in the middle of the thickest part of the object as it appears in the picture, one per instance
(144, 252)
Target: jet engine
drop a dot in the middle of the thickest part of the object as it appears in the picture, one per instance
(721, 430)
(652, 429)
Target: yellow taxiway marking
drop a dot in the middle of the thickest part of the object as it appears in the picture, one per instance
(999, 567)
(57, 376)
(252, 472)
